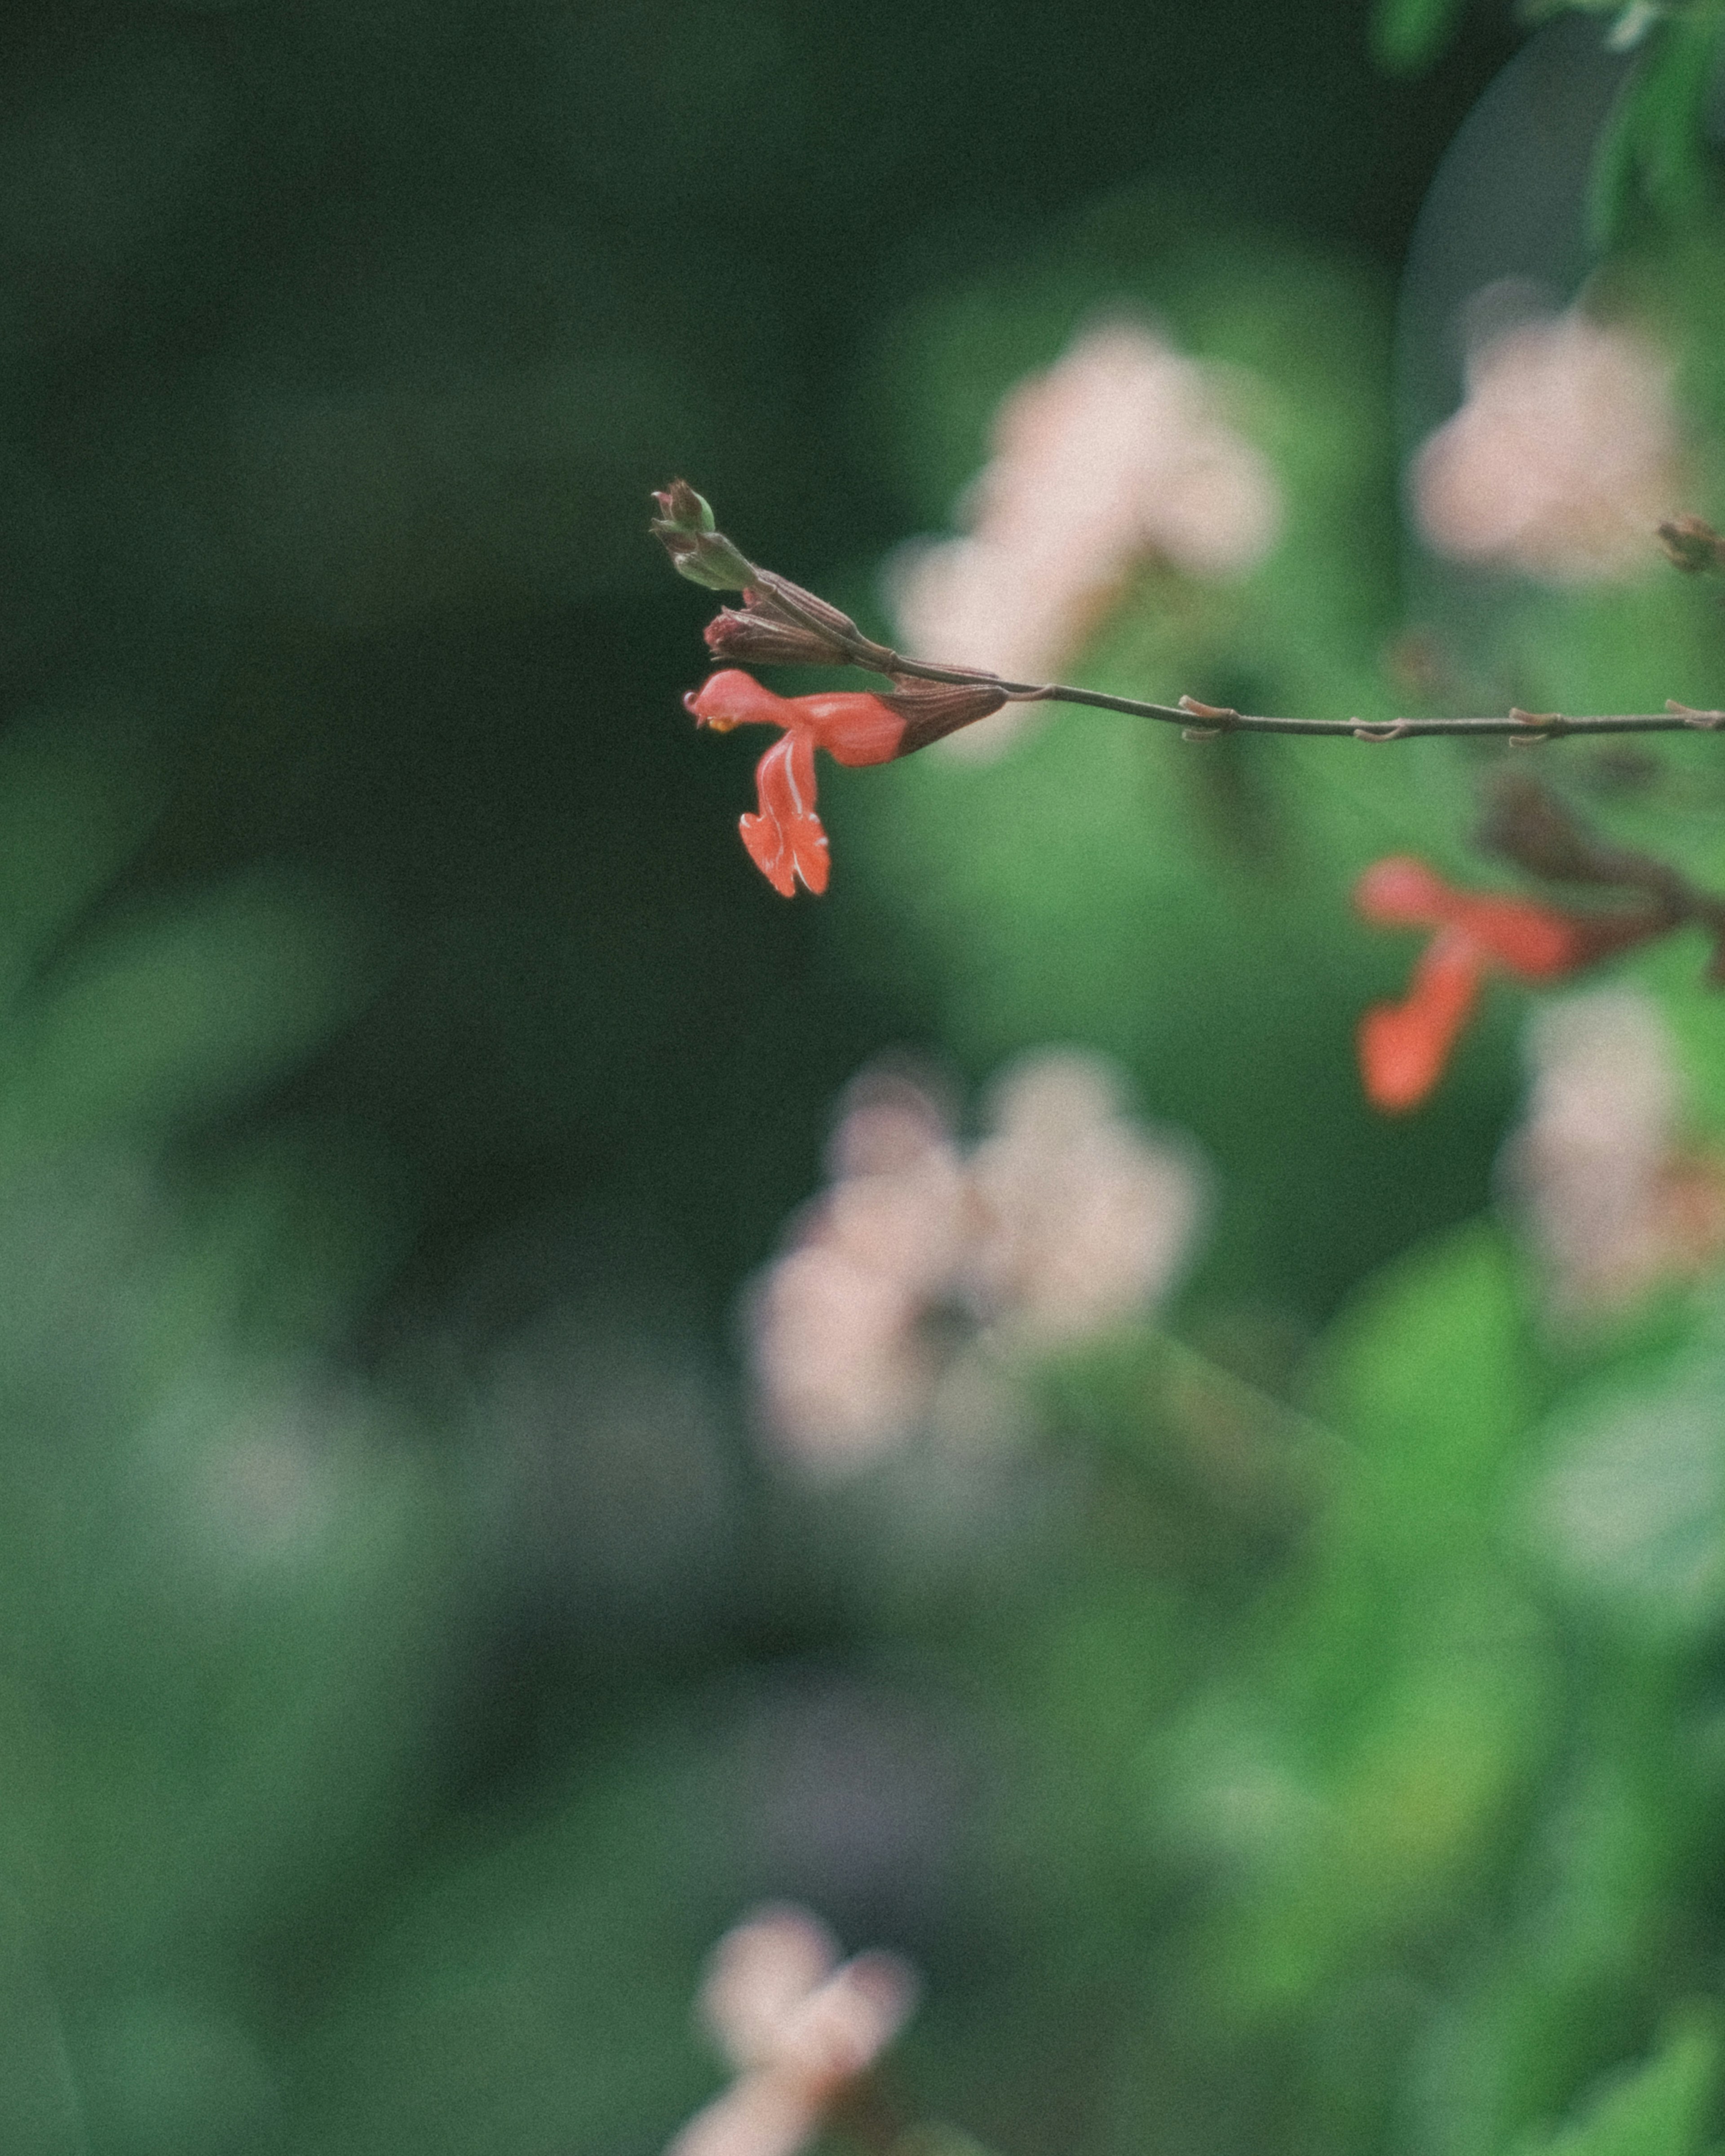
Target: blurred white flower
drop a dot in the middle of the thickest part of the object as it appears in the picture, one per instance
(922, 1263)
(1611, 1202)
(1083, 1220)
(1120, 452)
(844, 1371)
(1563, 460)
(798, 2026)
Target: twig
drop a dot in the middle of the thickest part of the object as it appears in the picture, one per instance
(780, 622)
(1527, 823)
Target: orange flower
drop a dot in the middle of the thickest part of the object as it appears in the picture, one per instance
(786, 840)
(1404, 1047)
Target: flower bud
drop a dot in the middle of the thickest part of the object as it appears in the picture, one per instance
(776, 598)
(681, 509)
(754, 639)
(685, 529)
(931, 709)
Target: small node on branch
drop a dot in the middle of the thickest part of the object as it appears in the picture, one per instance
(1396, 730)
(1220, 717)
(1706, 722)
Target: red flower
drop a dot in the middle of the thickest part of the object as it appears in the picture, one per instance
(786, 840)
(1404, 1047)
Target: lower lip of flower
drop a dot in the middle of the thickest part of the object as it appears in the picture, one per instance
(1404, 1047)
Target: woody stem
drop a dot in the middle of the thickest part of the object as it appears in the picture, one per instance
(1200, 721)
(1545, 726)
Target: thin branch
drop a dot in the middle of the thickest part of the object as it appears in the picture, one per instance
(1528, 824)
(1204, 721)
(780, 622)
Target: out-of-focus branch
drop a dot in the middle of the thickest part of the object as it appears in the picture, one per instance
(780, 623)
(1526, 823)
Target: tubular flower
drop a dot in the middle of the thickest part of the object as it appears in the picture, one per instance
(1404, 1047)
(786, 840)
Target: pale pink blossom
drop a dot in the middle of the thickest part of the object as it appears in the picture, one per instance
(926, 1266)
(798, 2026)
(1611, 1200)
(842, 1373)
(1084, 1221)
(1120, 453)
(843, 1369)
(1563, 459)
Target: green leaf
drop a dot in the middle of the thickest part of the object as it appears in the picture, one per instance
(1653, 162)
(1662, 2109)
(1429, 1374)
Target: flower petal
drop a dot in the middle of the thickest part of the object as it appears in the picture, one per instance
(786, 840)
(1401, 892)
(852, 725)
(1534, 943)
(1404, 1047)
(733, 698)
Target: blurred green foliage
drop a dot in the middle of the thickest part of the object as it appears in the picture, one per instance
(1313, 1739)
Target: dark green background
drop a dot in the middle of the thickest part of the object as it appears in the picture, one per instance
(408, 1057)
(341, 346)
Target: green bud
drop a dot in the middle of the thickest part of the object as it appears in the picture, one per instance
(712, 563)
(698, 549)
(681, 509)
